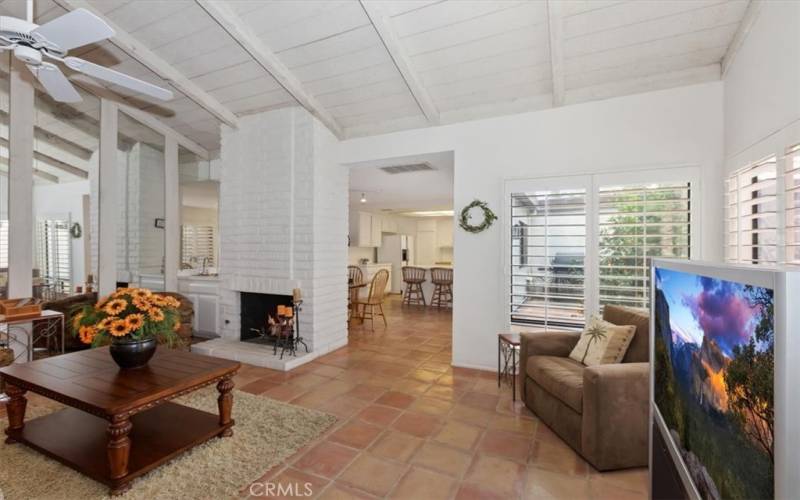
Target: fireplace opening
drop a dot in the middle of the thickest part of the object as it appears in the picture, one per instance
(273, 320)
(256, 309)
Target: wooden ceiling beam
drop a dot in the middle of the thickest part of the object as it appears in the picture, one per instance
(382, 24)
(243, 35)
(136, 50)
(53, 162)
(44, 135)
(36, 172)
(748, 20)
(555, 24)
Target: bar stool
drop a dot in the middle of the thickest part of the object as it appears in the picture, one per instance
(442, 279)
(414, 277)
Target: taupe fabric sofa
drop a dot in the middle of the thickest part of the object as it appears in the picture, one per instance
(600, 411)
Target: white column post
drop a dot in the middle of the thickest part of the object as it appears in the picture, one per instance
(20, 181)
(172, 214)
(107, 193)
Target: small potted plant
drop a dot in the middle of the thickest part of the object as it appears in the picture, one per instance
(132, 321)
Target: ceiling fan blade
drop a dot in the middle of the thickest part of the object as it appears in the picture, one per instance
(117, 78)
(55, 83)
(74, 29)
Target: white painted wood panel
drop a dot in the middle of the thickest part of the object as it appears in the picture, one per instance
(644, 84)
(380, 115)
(397, 7)
(443, 14)
(575, 7)
(495, 94)
(327, 48)
(537, 77)
(499, 44)
(684, 44)
(133, 16)
(352, 80)
(645, 67)
(243, 90)
(528, 56)
(391, 86)
(622, 14)
(336, 18)
(527, 15)
(726, 14)
(372, 105)
(344, 64)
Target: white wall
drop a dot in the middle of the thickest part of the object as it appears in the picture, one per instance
(762, 87)
(65, 200)
(675, 127)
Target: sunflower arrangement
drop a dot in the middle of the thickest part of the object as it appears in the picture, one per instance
(129, 314)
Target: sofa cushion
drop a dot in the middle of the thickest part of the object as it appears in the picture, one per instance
(561, 377)
(639, 350)
(602, 343)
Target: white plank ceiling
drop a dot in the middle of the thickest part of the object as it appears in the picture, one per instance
(470, 58)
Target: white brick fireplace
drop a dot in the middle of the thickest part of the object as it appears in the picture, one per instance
(283, 225)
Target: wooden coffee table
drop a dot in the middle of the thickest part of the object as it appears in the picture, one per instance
(120, 424)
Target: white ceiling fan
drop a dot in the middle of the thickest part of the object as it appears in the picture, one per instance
(32, 44)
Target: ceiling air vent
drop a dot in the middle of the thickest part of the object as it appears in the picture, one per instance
(406, 169)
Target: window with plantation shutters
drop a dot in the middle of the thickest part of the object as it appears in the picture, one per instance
(752, 214)
(54, 255)
(197, 244)
(579, 243)
(792, 203)
(4, 244)
(635, 224)
(548, 251)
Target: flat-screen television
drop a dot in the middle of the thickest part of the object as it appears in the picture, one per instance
(721, 377)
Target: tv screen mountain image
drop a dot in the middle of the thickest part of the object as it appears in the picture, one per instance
(714, 344)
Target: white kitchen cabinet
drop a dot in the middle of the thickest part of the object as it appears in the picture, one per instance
(376, 231)
(206, 313)
(444, 233)
(203, 293)
(361, 229)
(389, 225)
(365, 229)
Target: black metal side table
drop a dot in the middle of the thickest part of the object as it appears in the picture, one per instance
(507, 358)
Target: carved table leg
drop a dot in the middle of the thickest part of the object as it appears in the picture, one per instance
(118, 448)
(15, 408)
(225, 402)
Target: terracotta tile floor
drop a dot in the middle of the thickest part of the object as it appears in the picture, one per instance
(411, 426)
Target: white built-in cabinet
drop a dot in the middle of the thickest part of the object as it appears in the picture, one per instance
(204, 295)
(444, 233)
(389, 225)
(363, 231)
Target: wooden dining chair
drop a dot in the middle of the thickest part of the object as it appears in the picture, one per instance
(354, 275)
(414, 277)
(442, 279)
(377, 290)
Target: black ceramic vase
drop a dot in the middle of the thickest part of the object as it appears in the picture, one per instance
(129, 354)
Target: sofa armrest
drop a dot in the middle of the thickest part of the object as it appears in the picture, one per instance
(616, 414)
(542, 344)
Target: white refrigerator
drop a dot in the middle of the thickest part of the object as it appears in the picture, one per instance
(398, 250)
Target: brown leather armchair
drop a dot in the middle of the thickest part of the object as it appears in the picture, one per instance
(600, 411)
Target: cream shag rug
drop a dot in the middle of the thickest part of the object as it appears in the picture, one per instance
(266, 432)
